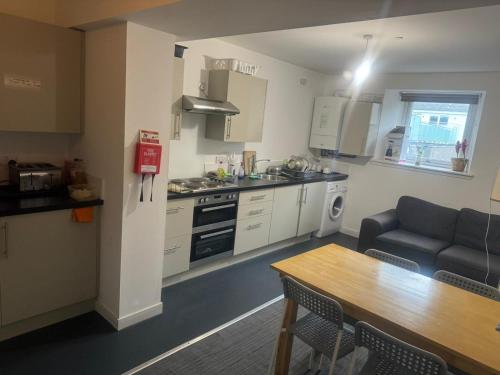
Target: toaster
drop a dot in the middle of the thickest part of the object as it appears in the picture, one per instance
(35, 176)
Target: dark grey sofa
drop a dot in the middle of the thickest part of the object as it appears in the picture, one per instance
(436, 237)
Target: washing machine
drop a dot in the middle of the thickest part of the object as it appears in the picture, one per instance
(333, 208)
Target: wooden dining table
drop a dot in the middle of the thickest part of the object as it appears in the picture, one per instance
(457, 325)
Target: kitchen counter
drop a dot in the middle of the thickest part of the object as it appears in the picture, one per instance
(16, 204)
(248, 184)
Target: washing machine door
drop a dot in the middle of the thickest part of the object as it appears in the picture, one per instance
(336, 207)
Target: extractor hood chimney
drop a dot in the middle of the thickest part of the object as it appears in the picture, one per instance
(194, 104)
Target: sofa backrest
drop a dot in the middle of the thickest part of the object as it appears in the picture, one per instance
(471, 230)
(426, 218)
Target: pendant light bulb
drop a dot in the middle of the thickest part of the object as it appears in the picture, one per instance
(364, 70)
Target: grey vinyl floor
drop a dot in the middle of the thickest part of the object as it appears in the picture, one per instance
(88, 345)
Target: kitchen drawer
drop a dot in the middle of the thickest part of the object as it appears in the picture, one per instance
(252, 234)
(259, 208)
(179, 217)
(176, 255)
(325, 142)
(255, 196)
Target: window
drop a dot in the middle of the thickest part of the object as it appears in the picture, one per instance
(436, 122)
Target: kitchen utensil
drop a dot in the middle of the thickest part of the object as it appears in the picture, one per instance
(35, 176)
(274, 170)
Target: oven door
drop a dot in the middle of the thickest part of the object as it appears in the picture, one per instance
(216, 213)
(214, 242)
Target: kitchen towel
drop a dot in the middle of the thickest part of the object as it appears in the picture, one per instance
(83, 215)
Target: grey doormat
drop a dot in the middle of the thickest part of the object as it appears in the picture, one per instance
(243, 348)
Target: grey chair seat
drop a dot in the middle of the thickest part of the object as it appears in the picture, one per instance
(470, 263)
(321, 335)
(410, 245)
(377, 365)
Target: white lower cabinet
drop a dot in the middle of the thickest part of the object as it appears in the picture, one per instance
(176, 255)
(252, 234)
(178, 230)
(313, 197)
(285, 213)
(47, 262)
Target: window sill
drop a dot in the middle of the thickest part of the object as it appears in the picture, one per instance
(423, 169)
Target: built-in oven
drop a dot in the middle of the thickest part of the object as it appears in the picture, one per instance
(214, 226)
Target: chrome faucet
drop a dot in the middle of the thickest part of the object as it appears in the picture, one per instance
(254, 164)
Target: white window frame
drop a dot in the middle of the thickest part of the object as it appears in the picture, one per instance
(470, 131)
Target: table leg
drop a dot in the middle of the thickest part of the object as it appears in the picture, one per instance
(286, 339)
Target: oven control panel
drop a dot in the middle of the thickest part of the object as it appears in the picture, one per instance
(216, 198)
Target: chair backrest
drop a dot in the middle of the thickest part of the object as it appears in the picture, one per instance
(467, 284)
(323, 306)
(393, 259)
(399, 353)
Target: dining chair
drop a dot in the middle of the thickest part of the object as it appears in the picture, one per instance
(393, 259)
(467, 284)
(391, 356)
(322, 328)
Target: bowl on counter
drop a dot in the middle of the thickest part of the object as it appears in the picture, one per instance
(82, 192)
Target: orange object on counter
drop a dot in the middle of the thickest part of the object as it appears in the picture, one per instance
(83, 215)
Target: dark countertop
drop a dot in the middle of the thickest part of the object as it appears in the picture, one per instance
(16, 204)
(248, 184)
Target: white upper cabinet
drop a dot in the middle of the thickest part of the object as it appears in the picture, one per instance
(248, 94)
(41, 77)
(327, 118)
(177, 89)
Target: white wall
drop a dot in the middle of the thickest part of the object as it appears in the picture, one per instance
(287, 118)
(374, 188)
(128, 76)
(149, 76)
(102, 145)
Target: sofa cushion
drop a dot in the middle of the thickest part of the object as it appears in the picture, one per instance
(416, 247)
(427, 219)
(470, 263)
(471, 230)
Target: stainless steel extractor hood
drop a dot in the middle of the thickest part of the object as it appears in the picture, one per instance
(194, 104)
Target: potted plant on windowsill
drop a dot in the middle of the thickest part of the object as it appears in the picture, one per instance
(458, 164)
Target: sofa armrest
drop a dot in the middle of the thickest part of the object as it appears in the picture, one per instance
(375, 225)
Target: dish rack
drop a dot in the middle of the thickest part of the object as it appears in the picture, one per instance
(299, 174)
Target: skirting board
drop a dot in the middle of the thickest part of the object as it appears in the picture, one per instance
(350, 232)
(130, 319)
(43, 320)
(225, 262)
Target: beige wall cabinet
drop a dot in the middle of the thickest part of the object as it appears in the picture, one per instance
(313, 197)
(327, 118)
(40, 77)
(285, 213)
(46, 262)
(248, 94)
(177, 90)
(178, 231)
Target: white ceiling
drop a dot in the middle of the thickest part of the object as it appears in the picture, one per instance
(452, 41)
(200, 19)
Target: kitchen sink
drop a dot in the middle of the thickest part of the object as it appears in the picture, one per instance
(272, 177)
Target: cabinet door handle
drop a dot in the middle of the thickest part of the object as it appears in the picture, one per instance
(5, 251)
(305, 195)
(228, 133)
(254, 226)
(177, 129)
(176, 210)
(255, 212)
(299, 195)
(172, 250)
(257, 197)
